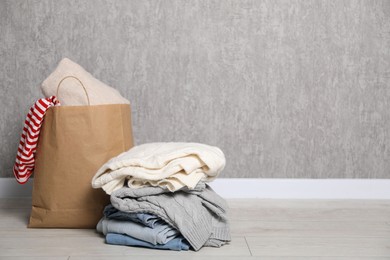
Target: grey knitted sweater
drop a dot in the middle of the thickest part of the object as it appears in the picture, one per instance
(200, 215)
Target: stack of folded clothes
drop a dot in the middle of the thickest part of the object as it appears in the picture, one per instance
(160, 199)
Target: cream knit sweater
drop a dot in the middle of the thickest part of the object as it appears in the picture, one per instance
(71, 92)
(168, 165)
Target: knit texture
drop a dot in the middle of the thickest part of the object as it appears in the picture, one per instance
(168, 165)
(200, 214)
(25, 157)
(149, 220)
(72, 94)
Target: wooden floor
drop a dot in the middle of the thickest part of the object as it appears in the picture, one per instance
(261, 229)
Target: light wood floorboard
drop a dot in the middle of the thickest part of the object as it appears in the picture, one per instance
(261, 229)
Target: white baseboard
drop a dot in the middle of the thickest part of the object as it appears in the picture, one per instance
(303, 188)
(265, 188)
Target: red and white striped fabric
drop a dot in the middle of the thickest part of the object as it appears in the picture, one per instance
(25, 161)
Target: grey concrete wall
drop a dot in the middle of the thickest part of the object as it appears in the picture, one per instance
(285, 88)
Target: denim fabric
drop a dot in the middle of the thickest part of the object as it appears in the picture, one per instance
(160, 234)
(178, 243)
(199, 215)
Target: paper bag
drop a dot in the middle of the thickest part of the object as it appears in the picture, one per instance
(74, 142)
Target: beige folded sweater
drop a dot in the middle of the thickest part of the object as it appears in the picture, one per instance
(71, 93)
(168, 165)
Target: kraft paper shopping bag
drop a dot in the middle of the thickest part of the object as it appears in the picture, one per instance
(74, 142)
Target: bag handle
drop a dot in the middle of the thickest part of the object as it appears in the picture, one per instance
(85, 90)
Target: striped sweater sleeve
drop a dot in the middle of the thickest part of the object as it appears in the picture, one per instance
(25, 157)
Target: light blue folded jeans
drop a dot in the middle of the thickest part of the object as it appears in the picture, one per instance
(162, 233)
(178, 243)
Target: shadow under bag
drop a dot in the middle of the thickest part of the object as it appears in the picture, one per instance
(75, 141)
